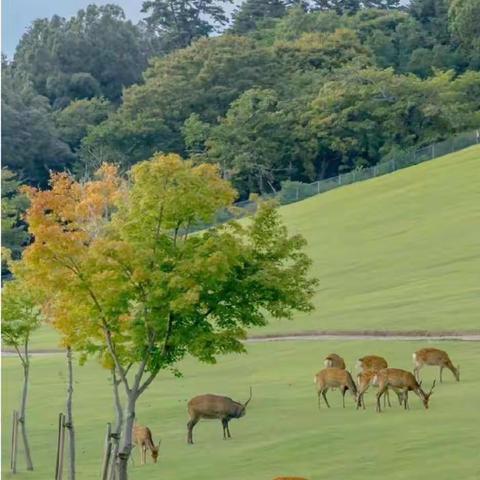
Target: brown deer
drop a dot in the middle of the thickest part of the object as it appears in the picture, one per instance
(434, 356)
(367, 378)
(371, 362)
(142, 437)
(403, 381)
(214, 407)
(334, 360)
(334, 378)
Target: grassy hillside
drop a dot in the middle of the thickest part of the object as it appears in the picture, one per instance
(399, 252)
(283, 431)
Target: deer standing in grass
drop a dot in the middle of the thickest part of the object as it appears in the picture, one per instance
(334, 378)
(214, 407)
(369, 366)
(436, 357)
(334, 360)
(401, 380)
(142, 437)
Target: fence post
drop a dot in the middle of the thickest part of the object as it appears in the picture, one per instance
(339, 178)
(318, 186)
(107, 452)
(433, 151)
(298, 189)
(60, 447)
(13, 454)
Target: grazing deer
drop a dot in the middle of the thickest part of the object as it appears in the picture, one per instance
(334, 378)
(403, 381)
(434, 356)
(334, 360)
(142, 437)
(214, 407)
(371, 362)
(367, 378)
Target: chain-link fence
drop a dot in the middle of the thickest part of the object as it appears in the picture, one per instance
(294, 191)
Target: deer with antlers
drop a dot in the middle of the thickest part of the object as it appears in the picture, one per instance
(142, 437)
(334, 378)
(435, 357)
(403, 381)
(215, 407)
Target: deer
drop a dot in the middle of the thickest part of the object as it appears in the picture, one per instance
(367, 378)
(334, 360)
(371, 362)
(334, 377)
(210, 406)
(434, 356)
(403, 381)
(142, 437)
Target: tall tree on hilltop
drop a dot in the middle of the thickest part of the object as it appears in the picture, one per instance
(250, 13)
(179, 22)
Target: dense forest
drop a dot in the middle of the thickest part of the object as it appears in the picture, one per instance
(283, 90)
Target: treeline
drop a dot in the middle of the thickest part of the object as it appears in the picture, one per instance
(290, 90)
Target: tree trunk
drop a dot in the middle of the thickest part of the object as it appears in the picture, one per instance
(126, 447)
(117, 429)
(23, 409)
(69, 417)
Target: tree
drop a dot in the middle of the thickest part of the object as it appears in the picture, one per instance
(261, 142)
(366, 114)
(21, 316)
(179, 22)
(97, 52)
(204, 79)
(14, 204)
(30, 143)
(143, 286)
(339, 6)
(252, 13)
(463, 22)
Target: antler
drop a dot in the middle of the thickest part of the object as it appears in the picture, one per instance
(249, 398)
(433, 386)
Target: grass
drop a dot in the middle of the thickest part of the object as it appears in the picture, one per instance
(397, 252)
(283, 432)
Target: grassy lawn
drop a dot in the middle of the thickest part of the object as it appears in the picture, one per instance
(283, 431)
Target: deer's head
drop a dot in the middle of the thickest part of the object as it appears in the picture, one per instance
(244, 406)
(155, 450)
(426, 396)
(457, 373)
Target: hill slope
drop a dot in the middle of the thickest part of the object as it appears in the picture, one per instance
(399, 252)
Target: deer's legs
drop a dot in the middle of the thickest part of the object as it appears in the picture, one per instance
(441, 370)
(343, 391)
(381, 391)
(405, 399)
(226, 430)
(324, 395)
(190, 426)
(386, 399)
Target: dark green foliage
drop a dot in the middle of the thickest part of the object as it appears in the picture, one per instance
(97, 52)
(178, 23)
(204, 79)
(30, 142)
(252, 13)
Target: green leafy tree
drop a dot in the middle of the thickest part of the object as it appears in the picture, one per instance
(179, 22)
(97, 52)
(252, 13)
(261, 142)
(21, 316)
(30, 142)
(14, 204)
(147, 289)
(204, 79)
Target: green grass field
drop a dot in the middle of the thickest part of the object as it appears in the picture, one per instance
(283, 431)
(397, 252)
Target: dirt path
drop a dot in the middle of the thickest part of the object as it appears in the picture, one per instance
(465, 336)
